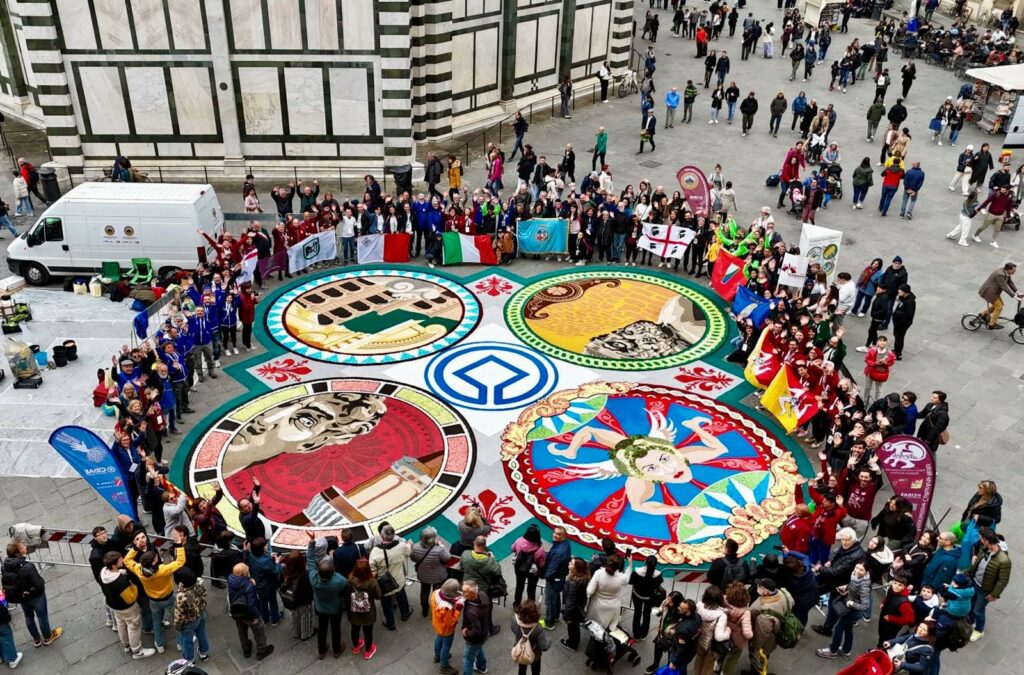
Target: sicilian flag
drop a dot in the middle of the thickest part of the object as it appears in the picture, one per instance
(748, 305)
(728, 275)
(376, 248)
(468, 249)
(762, 364)
(788, 400)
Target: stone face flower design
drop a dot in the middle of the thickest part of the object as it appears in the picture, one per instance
(495, 510)
(493, 286)
(283, 370)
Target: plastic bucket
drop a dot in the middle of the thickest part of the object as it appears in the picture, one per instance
(71, 350)
(60, 356)
(41, 359)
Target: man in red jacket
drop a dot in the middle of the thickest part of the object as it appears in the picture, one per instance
(999, 205)
(829, 513)
(796, 532)
(897, 611)
(860, 501)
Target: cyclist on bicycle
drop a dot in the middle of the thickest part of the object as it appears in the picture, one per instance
(992, 290)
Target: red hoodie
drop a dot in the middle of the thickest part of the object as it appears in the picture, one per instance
(796, 533)
(826, 523)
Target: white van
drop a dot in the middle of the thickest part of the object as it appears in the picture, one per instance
(115, 222)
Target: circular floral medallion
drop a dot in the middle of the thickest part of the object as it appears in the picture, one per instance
(617, 321)
(372, 316)
(333, 454)
(654, 468)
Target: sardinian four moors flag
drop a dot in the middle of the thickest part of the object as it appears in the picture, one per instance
(316, 248)
(466, 248)
(788, 400)
(667, 241)
(375, 248)
(728, 275)
(695, 187)
(910, 467)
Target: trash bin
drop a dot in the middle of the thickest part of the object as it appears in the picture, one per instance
(876, 10)
(48, 182)
(403, 177)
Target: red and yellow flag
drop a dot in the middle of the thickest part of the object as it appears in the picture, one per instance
(788, 400)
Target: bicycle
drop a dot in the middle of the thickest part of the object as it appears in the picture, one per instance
(628, 84)
(973, 322)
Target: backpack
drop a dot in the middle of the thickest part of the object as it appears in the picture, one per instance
(498, 587)
(239, 610)
(524, 563)
(734, 571)
(790, 631)
(360, 603)
(522, 650)
(958, 635)
(287, 594)
(16, 586)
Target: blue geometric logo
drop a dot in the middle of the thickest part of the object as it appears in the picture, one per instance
(491, 376)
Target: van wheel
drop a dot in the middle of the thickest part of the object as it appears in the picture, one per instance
(35, 274)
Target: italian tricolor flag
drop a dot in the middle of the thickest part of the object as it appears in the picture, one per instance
(464, 248)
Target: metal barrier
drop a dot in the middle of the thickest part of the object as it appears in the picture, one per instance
(72, 547)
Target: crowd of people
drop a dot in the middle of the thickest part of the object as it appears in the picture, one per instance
(934, 587)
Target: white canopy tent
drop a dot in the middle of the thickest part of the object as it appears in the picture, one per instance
(1007, 78)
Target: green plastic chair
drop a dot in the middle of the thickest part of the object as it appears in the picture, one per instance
(110, 272)
(141, 271)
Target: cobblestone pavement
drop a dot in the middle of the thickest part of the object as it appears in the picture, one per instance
(982, 372)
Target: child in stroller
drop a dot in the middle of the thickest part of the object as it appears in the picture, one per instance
(608, 647)
(796, 198)
(834, 183)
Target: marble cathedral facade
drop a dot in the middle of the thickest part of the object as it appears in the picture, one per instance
(329, 85)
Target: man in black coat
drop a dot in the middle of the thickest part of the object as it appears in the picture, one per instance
(935, 419)
(432, 173)
(981, 166)
(902, 317)
(894, 276)
(897, 113)
(569, 162)
(650, 127)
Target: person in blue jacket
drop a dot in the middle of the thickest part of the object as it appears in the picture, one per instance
(913, 179)
(421, 227)
(202, 327)
(228, 312)
(671, 104)
(556, 568)
(798, 107)
(941, 569)
(267, 575)
(244, 608)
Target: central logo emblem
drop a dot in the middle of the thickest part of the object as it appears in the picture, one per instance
(491, 376)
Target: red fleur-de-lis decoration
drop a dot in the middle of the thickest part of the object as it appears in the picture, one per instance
(493, 286)
(494, 509)
(699, 378)
(283, 370)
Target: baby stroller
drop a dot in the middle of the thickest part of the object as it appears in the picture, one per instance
(874, 662)
(796, 198)
(606, 648)
(834, 181)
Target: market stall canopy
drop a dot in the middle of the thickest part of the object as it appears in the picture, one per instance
(1007, 78)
